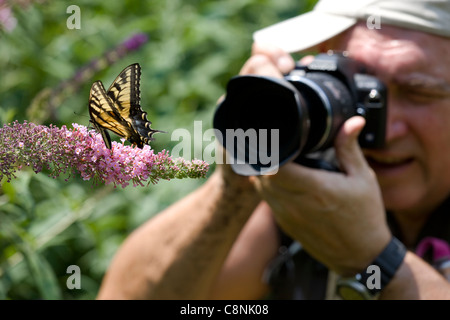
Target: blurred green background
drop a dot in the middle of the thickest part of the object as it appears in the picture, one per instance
(194, 47)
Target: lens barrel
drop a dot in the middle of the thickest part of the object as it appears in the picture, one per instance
(305, 114)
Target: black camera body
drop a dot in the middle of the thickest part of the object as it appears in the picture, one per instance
(303, 112)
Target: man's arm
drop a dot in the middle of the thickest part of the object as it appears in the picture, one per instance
(340, 220)
(179, 253)
(416, 280)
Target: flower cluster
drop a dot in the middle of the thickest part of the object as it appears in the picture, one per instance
(79, 150)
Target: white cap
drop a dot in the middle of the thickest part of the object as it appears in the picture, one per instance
(331, 17)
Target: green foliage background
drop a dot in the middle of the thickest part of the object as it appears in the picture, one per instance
(195, 46)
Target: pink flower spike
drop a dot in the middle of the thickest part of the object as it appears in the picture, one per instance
(83, 151)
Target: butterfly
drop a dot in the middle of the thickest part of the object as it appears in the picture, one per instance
(118, 109)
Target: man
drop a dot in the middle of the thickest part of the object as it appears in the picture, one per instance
(222, 240)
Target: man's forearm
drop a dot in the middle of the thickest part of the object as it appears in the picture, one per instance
(178, 253)
(416, 279)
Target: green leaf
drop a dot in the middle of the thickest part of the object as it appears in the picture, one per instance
(39, 270)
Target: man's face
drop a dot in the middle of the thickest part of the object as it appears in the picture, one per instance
(413, 169)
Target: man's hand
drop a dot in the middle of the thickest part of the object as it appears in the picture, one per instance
(268, 61)
(338, 217)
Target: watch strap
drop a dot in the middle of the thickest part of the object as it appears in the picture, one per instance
(389, 260)
(385, 266)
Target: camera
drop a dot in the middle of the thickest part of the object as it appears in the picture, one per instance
(264, 122)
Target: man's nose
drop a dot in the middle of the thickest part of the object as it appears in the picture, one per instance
(396, 126)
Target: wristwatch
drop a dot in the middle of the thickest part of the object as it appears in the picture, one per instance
(368, 284)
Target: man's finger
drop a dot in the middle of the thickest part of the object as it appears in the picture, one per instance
(282, 60)
(294, 177)
(348, 151)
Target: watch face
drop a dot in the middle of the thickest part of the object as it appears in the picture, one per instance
(349, 293)
(351, 289)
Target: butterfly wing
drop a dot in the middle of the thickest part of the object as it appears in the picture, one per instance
(105, 116)
(104, 133)
(124, 93)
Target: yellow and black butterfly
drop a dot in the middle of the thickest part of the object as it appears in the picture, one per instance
(118, 109)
